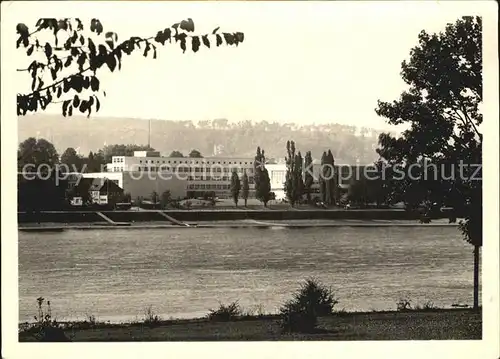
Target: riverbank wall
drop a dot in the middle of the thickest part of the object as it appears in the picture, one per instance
(215, 215)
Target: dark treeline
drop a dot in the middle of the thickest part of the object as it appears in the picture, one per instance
(218, 137)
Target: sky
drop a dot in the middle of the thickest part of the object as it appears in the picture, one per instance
(302, 62)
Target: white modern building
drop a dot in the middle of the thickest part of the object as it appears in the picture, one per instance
(148, 171)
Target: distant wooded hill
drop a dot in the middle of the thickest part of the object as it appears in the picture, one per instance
(217, 137)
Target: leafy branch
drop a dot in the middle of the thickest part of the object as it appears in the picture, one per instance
(87, 54)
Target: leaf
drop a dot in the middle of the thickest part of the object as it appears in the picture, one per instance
(48, 50)
(80, 24)
(59, 91)
(229, 38)
(22, 30)
(167, 34)
(74, 37)
(68, 61)
(65, 107)
(159, 37)
(206, 41)
(93, 25)
(111, 62)
(81, 60)
(146, 49)
(82, 40)
(68, 43)
(40, 83)
(215, 30)
(92, 47)
(77, 83)
(219, 40)
(62, 24)
(30, 50)
(53, 72)
(90, 103)
(70, 110)
(66, 85)
(83, 106)
(195, 43)
(102, 50)
(94, 83)
(99, 27)
(187, 25)
(111, 38)
(97, 104)
(76, 101)
(183, 44)
(86, 82)
(240, 36)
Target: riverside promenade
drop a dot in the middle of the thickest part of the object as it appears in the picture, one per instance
(144, 219)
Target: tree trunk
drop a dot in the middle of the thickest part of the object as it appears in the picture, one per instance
(476, 277)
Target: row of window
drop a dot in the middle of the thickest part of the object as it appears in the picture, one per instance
(121, 160)
(217, 179)
(209, 186)
(198, 162)
(186, 170)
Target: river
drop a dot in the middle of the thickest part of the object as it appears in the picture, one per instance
(182, 272)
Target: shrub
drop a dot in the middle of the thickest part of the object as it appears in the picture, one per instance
(311, 301)
(150, 317)
(298, 319)
(225, 313)
(47, 329)
(429, 305)
(404, 304)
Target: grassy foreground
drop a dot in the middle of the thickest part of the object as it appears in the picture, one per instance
(440, 324)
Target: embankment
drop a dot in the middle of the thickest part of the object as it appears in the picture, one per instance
(213, 215)
(414, 325)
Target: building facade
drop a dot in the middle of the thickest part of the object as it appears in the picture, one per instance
(186, 177)
(183, 176)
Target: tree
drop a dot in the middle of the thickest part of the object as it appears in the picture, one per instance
(72, 160)
(195, 154)
(235, 187)
(308, 175)
(357, 192)
(294, 185)
(154, 197)
(245, 188)
(94, 162)
(176, 154)
(331, 181)
(328, 181)
(322, 181)
(166, 198)
(33, 153)
(265, 194)
(261, 178)
(441, 109)
(79, 53)
(127, 198)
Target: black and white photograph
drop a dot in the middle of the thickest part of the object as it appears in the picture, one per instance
(250, 172)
